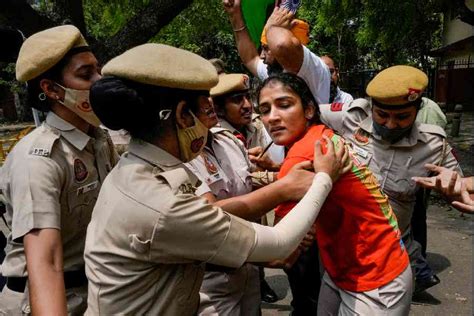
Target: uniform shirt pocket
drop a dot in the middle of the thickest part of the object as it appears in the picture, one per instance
(139, 245)
(405, 187)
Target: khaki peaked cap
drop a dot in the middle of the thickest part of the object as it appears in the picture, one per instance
(397, 85)
(230, 83)
(43, 50)
(164, 66)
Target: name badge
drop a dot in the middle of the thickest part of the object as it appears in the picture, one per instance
(361, 152)
(88, 187)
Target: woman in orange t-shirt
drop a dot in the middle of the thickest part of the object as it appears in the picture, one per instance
(366, 264)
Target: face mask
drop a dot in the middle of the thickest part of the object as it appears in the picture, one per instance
(78, 102)
(192, 139)
(391, 135)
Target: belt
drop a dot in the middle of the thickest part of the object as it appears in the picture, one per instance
(71, 279)
(216, 268)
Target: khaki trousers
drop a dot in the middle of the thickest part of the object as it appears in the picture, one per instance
(391, 299)
(231, 294)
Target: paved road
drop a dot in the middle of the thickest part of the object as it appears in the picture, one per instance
(450, 248)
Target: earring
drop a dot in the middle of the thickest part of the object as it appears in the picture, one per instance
(42, 96)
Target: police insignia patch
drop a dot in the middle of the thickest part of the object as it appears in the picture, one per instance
(210, 167)
(361, 137)
(80, 170)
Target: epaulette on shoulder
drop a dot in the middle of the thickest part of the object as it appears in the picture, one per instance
(432, 129)
(178, 180)
(360, 103)
(43, 143)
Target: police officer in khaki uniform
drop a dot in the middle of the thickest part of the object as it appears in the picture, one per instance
(150, 235)
(52, 178)
(225, 171)
(387, 139)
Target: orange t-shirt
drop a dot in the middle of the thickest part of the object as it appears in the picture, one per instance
(357, 232)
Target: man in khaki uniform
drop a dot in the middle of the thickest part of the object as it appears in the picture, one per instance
(51, 179)
(150, 234)
(387, 139)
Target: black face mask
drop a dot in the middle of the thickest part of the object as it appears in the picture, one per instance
(391, 135)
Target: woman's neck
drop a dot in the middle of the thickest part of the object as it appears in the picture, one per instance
(71, 117)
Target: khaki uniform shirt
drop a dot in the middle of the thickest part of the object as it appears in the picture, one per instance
(254, 136)
(224, 167)
(150, 235)
(51, 179)
(395, 164)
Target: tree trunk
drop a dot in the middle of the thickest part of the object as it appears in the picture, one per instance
(20, 15)
(142, 27)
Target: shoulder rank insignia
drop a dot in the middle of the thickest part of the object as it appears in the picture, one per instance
(43, 152)
(187, 188)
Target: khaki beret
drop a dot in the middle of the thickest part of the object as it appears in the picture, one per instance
(43, 50)
(397, 85)
(164, 66)
(230, 83)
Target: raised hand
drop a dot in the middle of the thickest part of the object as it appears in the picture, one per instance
(231, 6)
(280, 17)
(447, 182)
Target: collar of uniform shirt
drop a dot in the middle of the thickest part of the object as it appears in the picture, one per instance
(72, 134)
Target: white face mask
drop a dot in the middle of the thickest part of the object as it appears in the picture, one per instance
(78, 102)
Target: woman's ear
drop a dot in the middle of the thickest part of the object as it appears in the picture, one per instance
(51, 90)
(183, 118)
(309, 111)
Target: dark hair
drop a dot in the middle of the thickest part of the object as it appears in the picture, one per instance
(55, 74)
(135, 107)
(298, 86)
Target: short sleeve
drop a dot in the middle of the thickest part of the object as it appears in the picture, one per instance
(316, 74)
(34, 190)
(262, 72)
(192, 229)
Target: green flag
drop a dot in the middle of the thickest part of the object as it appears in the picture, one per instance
(255, 14)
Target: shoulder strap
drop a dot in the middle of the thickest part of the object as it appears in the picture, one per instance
(432, 129)
(44, 141)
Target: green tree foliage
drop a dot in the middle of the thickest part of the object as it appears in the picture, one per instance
(204, 29)
(375, 33)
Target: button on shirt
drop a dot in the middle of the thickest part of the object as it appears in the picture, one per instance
(150, 234)
(51, 179)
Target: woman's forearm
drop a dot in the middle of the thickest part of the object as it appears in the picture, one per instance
(44, 260)
(273, 243)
